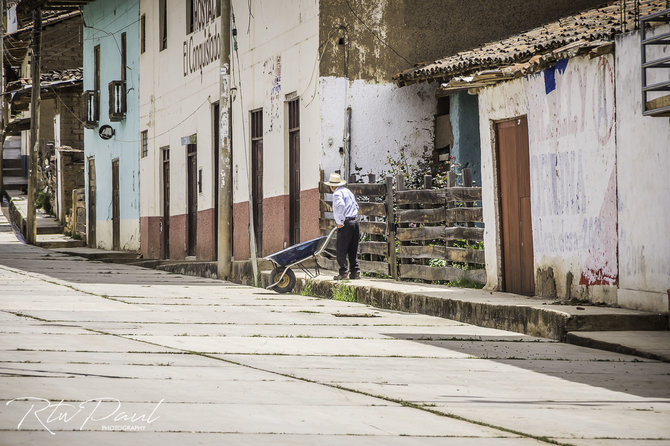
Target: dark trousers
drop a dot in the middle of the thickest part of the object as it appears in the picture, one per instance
(347, 246)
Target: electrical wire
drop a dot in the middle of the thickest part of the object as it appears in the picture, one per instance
(376, 35)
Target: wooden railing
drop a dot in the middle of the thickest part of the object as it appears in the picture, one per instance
(439, 231)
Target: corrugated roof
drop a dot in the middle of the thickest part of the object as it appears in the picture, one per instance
(573, 34)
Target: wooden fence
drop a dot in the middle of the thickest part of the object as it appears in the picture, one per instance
(439, 230)
(375, 201)
(439, 239)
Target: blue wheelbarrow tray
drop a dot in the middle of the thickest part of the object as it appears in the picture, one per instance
(296, 254)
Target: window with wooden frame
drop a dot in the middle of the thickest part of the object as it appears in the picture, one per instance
(117, 89)
(144, 138)
(92, 97)
(163, 24)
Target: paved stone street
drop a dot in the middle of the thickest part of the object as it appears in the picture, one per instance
(96, 353)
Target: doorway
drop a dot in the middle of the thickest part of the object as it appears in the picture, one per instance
(257, 178)
(294, 170)
(116, 211)
(216, 120)
(166, 202)
(515, 213)
(192, 211)
(91, 203)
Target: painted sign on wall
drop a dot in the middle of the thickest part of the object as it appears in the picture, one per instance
(204, 44)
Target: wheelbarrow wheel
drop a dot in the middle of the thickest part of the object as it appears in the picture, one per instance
(286, 283)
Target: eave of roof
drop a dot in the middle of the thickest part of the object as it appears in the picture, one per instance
(591, 30)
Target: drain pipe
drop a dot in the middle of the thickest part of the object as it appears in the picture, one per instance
(347, 142)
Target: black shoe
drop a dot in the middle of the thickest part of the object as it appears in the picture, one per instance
(340, 277)
(354, 276)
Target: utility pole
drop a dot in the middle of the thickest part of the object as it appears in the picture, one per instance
(225, 236)
(3, 103)
(31, 225)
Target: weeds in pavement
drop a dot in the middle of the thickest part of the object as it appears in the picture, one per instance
(344, 293)
(307, 288)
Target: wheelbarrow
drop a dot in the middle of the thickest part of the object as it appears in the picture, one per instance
(282, 276)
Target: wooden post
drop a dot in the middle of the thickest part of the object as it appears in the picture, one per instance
(31, 225)
(4, 117)
(352, 178)
(372, 178)
(225, 204)
(467, 177)
(390, 221)
(451, 179)
(427, 181)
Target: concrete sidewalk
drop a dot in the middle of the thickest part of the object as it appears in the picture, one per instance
(616, 329)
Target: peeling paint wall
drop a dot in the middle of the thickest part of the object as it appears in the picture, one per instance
(278, 62)
(421, 31)
(571, 120)
(385, 120)
(643, 157)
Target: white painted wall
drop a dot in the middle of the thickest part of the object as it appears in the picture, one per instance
(278, 56)
(174, 105)
(643, 157)
(572, 168)
(385, 120)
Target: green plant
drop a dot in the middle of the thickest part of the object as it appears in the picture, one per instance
(43, 201)
(307, 288)
(437, 263)
(465, 283)
(344, 293)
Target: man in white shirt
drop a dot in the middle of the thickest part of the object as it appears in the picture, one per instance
(345, 212)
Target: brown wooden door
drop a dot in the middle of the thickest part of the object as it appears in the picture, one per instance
(216, 119)
(91, 203)
(257, 191)
(257, 177)
(515, 212)
(294, 171)
(166, 203)
(192, 217)
(116, 211)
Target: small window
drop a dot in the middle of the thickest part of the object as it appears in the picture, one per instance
(162, 28)
(92, 100)
(143, 33)
(189, 16)
(145, 143)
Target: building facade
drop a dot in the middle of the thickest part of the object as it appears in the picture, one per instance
(566, 209)
(180, 45)
(111, 137)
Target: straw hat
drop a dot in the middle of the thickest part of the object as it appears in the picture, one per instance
(335, 180)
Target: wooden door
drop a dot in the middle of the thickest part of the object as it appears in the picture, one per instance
(192, 217)
(257, 177)
(216, 120)
(116, 211)
(257, 191)
(91, 203)
(515, 212)
(294, 171)
(166, 203)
